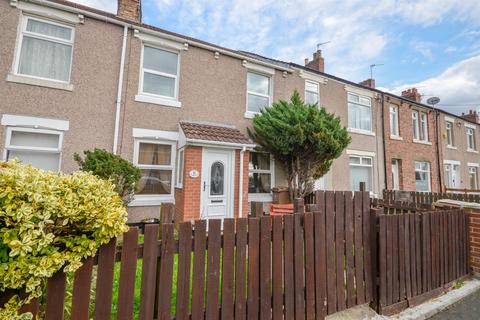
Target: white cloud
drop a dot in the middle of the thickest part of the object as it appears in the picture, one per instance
(458, 86)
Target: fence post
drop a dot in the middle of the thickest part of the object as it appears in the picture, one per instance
(374, 212)
(257, 209)
(362, 186)
(299, 205)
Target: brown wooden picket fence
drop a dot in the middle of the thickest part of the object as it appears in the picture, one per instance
(301, 266)
(420, 254)
(427, 198)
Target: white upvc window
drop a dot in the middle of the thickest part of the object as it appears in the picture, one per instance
(44, 49)
(449, 133)
(156, 160)
(394, 129)
(159, 72)
(260, 173)
(259, 91)
(312, 92)
(473, 177)
(452, 174)
(471, 145)
(420, 126)
(180, 166)
(422, 176)
(359, 112)
(361, 170)
(38, 147)
(396, 174)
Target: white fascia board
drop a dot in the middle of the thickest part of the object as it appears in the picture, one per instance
(360, 91)
(159, 41)
(220, 144)
(258, 68)
(313, 77)
(361, 153)
(470, 125)
(155, 134)
(452, 162)
(34, 122)
(47, 12)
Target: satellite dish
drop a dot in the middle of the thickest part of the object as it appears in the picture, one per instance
(433, 101)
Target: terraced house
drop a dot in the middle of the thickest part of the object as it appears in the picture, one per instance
(74, 78)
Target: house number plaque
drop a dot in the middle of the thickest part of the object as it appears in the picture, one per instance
(193, 173)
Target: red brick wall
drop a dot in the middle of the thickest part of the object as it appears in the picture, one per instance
(187, 199)
(406, 150)
(474, 228)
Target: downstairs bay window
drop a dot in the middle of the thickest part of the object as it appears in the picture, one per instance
(260, 175)
(40, 148)
(422, 176)
(361, 170)
(156, 161)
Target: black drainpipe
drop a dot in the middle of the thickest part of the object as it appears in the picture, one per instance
(439, 165)
(382, 99)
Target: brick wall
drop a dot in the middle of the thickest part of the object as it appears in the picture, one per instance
(474, 229)
(405, 150)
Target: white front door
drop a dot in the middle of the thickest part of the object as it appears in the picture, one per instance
(217, 184)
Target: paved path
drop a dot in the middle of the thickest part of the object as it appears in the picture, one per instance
(466, 309)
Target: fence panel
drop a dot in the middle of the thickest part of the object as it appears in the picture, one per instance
(303, 266)
(420, 254)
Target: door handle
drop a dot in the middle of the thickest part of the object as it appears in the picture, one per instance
(204, 185)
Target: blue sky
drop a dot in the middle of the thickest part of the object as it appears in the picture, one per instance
(431, 44)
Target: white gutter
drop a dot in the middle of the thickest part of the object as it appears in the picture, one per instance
(157, 33)
(240, 184)
(119, 91)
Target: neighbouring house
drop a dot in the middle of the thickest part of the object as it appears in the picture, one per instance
(459, 136)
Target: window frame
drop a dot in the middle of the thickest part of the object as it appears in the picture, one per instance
(10, 147)
(420, 126)
(316, 83)
(354, 129)
(472, 135)
(180, 168)
(475, 168)
(159, 73)
(23, 32)
(429, 177)
(395, 174)
(450, 137)
(262, 196)
(250, 113)
(395, 108)
(361, 157)
(155, 199)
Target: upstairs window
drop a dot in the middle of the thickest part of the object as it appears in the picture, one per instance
(471, 139)
(394, 130)
(40, 148)
(258, 91)
(159, 73)
(312, 95)
(45, 50)
(420, 126)
(359, 112)
(449, 132)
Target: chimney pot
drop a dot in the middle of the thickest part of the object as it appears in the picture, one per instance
(318, 63)
(368, 83)
(130, 9)
(412, 94)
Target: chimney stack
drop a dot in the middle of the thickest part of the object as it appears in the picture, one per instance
(412, 94)
(368, 83)
(130, 10)
(318, 63)
(472, 116)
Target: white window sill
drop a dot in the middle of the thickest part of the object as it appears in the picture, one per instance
(158, 100)
(250, 114)
(472, 150)
(452, 147)
(360, 131)
(422, 142)
(396, 137)
(141, 201)
(179, 186)
(39, 82)
(260, 197)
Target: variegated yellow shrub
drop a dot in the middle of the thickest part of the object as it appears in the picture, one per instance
(50, 221)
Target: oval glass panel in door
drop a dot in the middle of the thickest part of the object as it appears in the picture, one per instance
(217, 176)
